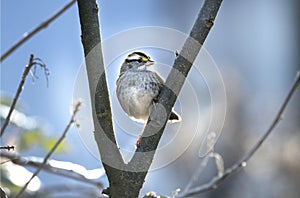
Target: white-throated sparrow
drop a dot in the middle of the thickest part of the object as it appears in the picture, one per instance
(138, 88)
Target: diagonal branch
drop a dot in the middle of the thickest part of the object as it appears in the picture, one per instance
(19, 90)
(33, 62)
(72, 120)
(176, 78)
(243, 162)
(36, 30)
(64, 172)
(153, 131)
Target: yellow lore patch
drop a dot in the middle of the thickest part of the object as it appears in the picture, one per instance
(144, 59)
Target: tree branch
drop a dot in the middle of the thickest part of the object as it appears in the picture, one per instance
(101, 109)
(64, 172)
(33, 62)
(176, 78)
(8, 148)
(36, 30)
(153, 131)
(72, 120)
(243, 162)
(19, 90)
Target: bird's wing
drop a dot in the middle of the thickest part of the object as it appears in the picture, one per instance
(161, 84)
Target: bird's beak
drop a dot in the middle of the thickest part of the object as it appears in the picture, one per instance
(150, 62)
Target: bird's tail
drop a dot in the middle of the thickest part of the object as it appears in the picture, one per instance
(174, 117)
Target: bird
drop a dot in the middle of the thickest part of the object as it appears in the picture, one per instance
(137, 87)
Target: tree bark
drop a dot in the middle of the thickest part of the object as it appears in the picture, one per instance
(104, 133)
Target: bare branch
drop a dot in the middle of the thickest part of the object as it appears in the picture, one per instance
(72, 120)
(33, 62)
(39, 62)
(19, 90)
(100, 103)
(69, 173)
(243, 162)
(175, 80)
(211, 139)
(7, 148)
(36, 30)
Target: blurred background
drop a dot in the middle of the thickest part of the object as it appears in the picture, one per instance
(255, 45)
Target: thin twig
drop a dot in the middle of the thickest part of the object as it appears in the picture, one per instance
(19, 90)
(243, 162)
(7, 148)
(36, 30)
(72, 120)
(33, 62)
(25, 161)
(39, 62)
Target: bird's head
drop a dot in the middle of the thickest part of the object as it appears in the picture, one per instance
(136, 61)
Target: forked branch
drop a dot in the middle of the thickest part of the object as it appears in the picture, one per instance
(126, 180)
